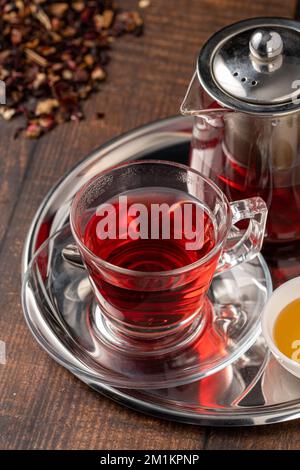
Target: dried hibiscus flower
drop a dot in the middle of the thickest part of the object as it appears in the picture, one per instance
(54, 54)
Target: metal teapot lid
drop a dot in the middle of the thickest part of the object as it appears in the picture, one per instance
(254, 66)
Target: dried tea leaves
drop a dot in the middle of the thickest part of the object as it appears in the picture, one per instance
(54, 54)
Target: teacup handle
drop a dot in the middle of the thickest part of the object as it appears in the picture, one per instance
(241, 248)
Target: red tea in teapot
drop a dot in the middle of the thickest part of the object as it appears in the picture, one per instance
(245, 160)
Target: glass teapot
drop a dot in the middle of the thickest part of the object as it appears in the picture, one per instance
(245, 96)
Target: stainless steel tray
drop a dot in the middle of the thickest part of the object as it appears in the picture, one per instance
(255, 389)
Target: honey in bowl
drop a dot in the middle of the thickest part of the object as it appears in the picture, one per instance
(287, 331)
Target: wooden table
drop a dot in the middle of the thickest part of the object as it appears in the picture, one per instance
(42, 406)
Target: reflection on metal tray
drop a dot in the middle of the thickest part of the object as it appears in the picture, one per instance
(57, 299)
(255, 389)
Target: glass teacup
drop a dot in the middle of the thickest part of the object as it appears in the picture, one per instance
(152, 234)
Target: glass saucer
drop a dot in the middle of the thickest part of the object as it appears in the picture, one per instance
(65, 319)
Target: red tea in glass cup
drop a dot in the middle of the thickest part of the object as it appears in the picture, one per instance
(152, 234)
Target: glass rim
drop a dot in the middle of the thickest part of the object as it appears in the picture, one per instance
(132, 272)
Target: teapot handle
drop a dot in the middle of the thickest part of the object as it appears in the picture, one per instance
(191, 104)
(197, 103)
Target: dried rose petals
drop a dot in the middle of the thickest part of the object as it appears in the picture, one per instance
(54, 54)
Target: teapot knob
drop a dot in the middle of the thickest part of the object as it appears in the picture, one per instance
(265, 45)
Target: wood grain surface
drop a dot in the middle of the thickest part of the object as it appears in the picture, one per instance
(42, 406)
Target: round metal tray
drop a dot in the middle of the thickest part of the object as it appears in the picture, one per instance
(255, 389)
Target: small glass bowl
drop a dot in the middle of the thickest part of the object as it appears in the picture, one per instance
(281, 297)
